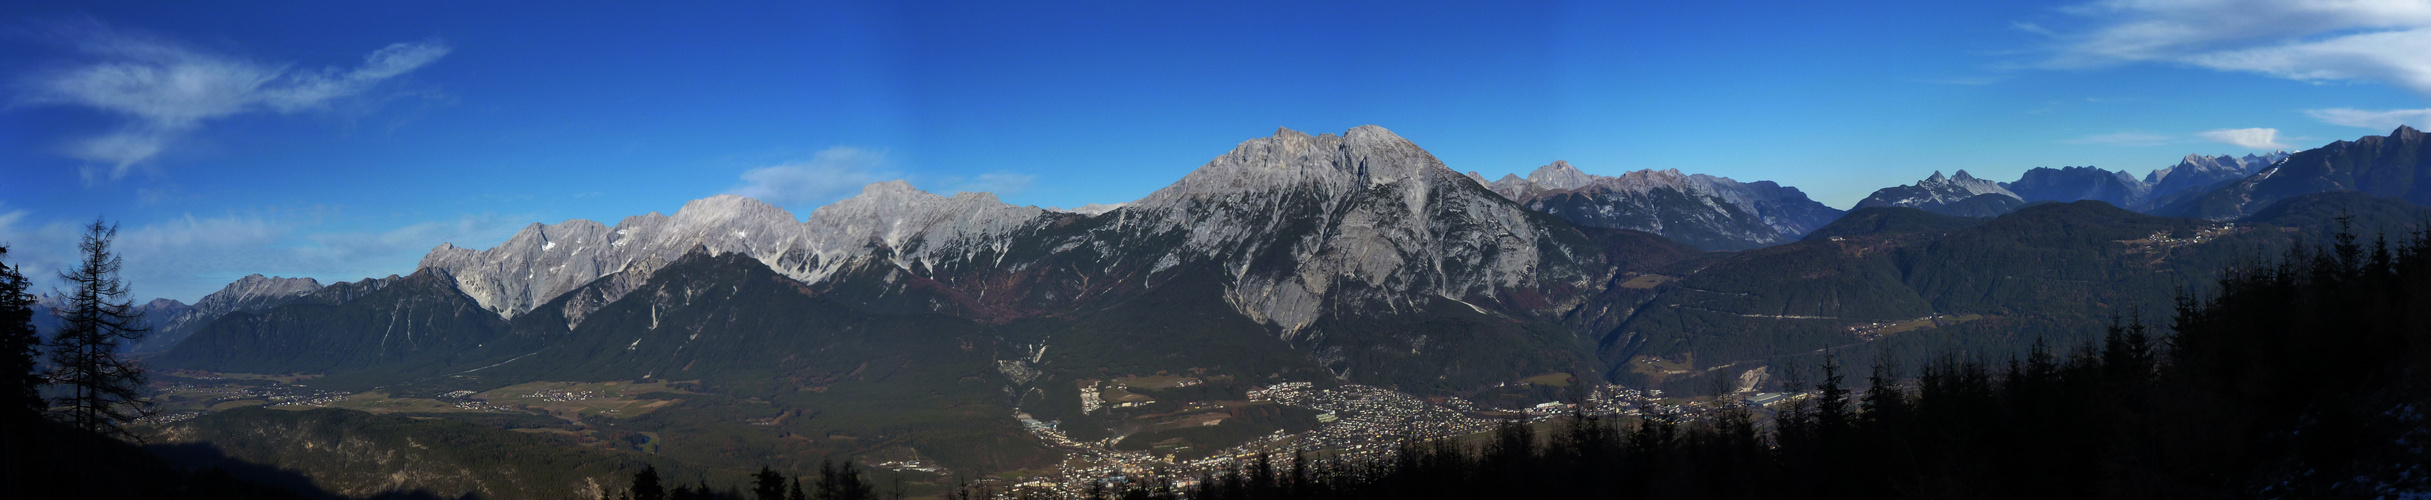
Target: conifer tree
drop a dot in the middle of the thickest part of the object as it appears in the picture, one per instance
(1885, 403)
(646, 485)
(104, 388)
(842, 482)
(768, 485)
(1832, 410)
(20, 403)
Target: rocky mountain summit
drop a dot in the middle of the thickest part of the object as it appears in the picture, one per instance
(1714, 213)
(2068, 184)
(1961, 195)
(1302, 222)
(250, 293)
(2397, 165)
(2196, 171)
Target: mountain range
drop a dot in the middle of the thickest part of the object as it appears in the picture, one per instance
(2393, 166)
(901, 319)
(1712, 213)
(1965, 195)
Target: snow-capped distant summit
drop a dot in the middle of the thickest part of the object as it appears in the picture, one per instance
(2194, 173)
(1705, 211)
(547, 260)
(2374, 165)
(1960, 194)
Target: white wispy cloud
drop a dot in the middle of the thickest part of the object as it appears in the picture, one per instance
(831, 174)
(189, 256)
(164, 90)
(2125, 139)
(2379, 120)
(2249, 138)
(2306, 40)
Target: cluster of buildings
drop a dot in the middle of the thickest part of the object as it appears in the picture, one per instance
(2164, 240)
(561, 395)
(302, 398)
(464, 400)
(1367, 419)
(1356, 422)
(169, 417)
(274, 395)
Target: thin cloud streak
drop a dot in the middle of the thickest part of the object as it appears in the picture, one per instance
(832, 174)
(2304, 40)
(189, 256)
(164, 90)
(2249, 138)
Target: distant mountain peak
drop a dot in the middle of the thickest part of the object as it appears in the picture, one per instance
(1089, 209)
(2375, 165)
(1948, 195)
(1700, 210)
(1560, 175)
(2195, 172)
(253, 292)
(2071, 183)
(727, 206)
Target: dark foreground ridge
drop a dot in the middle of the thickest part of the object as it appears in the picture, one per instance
(2300, 379)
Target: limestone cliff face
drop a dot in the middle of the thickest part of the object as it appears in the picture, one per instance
(1366, 219)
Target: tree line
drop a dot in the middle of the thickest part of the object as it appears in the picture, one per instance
(2303, 376)
(833, 482)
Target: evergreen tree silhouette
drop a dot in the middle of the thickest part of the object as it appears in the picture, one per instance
(646, 485)
(768, 485)
(105, 390)
(842, 482)
(21, 403)
(20, 379)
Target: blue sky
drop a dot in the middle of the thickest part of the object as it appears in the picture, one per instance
(342, 141)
